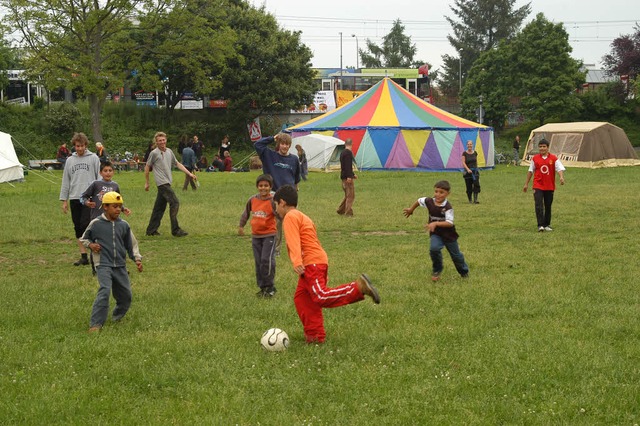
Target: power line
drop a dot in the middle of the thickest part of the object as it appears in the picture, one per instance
(420, 22)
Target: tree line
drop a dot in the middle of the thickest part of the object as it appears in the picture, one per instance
(230, 50)
(226, 49)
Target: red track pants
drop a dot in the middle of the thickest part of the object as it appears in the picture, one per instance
(312, 294)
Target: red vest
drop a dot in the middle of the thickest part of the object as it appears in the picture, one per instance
(544, 175)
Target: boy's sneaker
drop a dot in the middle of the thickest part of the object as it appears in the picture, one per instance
(153, 234)
(464, 276)
(548, 228)
(95, 329)
(266, 292)
(540, 228)
(81, 261)
(181, 233)
(435, 276)
(366, 288)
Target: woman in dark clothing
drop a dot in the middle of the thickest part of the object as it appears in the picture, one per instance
(471, 174)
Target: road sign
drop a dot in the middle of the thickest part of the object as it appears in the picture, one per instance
(254, 130)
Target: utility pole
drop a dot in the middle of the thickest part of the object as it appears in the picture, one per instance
(340, 59)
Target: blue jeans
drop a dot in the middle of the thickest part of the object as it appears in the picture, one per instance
(435, 250)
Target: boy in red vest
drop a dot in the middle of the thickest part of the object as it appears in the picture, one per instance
(543, 168)
(262, 210)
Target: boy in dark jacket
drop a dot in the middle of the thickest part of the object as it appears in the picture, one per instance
(111, 241)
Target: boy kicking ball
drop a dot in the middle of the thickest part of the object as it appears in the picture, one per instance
(442, 232)
(310, 262)
(111, 240)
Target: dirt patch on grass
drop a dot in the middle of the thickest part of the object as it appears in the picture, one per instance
(382, 233)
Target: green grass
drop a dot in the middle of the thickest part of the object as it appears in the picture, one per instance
(545, 331)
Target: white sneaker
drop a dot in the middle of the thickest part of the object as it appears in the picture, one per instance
(548, 228)
(541, 229)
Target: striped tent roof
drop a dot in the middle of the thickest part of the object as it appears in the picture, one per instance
(387, 105)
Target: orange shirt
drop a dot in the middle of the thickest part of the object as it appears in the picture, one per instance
(302, 240)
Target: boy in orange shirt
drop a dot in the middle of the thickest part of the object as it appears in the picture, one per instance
(310, 262)
(262, 210)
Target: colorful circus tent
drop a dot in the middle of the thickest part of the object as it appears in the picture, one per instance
(392, 129)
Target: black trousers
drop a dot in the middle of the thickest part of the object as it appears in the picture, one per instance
(543, 201)
(165, 196)
(80, 215)
(472, 181)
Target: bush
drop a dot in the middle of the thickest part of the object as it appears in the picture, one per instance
(63, 119)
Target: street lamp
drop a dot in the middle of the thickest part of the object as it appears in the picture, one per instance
(460, 69)
(357, 51)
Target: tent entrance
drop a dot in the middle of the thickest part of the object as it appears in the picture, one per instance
(334, 161)
(566, 146)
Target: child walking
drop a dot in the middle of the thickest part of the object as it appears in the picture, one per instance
(441, 229)
(111, 241)
(311, 263)
(92, 196)
(262, 210)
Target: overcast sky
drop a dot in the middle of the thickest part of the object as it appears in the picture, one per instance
(592, 25)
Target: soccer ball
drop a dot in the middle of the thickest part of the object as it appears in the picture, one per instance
(275, 340)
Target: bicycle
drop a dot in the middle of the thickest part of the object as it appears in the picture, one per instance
(502, 158)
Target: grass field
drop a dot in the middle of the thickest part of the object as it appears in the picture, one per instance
(545, 330)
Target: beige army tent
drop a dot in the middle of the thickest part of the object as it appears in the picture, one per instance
(585, 144)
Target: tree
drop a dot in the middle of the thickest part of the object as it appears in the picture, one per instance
(605, 103)
(272, 70)
(487, 79)
(481, 25)
(183, 50)
(624, 58)
(226, 50)
(543, 71)
(536, 66)
(6, 55)
(396, 51)
(71, 44)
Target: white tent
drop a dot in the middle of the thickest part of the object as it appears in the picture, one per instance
(323, 152)
(10, 167)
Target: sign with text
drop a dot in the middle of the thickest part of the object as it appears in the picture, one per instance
(189, 104)
(323, 101)
(218, 103)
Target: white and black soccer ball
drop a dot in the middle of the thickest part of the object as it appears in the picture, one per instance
(275, 340)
